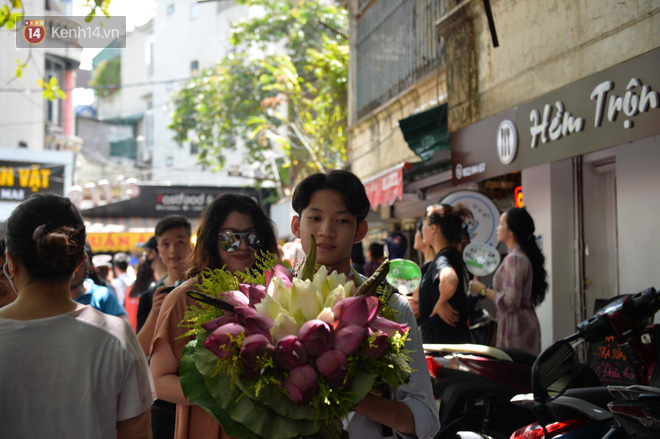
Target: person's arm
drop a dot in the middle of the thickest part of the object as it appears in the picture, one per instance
(417, 393)
(448, 286)
(393, 414)
(164, 362)
(512, 273)
(146, 333)
(414, 302)
(138, 427)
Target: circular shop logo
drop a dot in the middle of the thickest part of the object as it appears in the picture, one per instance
(459, 171)
(507, 142)
(34, 31)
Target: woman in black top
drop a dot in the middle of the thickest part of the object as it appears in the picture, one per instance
(443, 307)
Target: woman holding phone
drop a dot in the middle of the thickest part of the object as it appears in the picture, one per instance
(232, 231)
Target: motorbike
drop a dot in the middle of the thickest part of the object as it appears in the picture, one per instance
(473, 385)
(612, 412)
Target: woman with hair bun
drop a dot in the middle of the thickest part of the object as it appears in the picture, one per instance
(519, 284)
(443, 307)
(68, 370)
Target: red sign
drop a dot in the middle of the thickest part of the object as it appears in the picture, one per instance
(385, 189)
(518, 201)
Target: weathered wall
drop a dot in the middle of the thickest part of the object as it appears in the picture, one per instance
(544, 45)
(376, 143)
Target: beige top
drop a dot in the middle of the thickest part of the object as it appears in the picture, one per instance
(192, 422)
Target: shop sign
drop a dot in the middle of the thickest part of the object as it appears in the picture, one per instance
(158, 201)
(183, 202)
(518, 197)
(19, 180)
(385, 189)
(613, 107)
(116, 242)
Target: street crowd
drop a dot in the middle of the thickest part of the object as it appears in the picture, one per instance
(90, 345)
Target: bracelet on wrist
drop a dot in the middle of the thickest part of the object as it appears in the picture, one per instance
(483, 292)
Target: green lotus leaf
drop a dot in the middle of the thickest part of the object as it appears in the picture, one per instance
(194, 388)
(233, 409)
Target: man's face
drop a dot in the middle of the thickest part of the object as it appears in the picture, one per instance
(334, 227)
(174, 248)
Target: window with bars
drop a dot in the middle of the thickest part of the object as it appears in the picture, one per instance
(397, 44)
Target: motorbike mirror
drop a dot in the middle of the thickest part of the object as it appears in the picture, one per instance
(553, 371)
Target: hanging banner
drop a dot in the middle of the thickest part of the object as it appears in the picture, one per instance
(385, 189)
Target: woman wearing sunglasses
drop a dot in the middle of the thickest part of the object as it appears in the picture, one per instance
(232, 231)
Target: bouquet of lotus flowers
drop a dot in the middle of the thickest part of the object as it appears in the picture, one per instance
(278, 356)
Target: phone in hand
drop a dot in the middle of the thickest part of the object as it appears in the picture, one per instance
(168, 289)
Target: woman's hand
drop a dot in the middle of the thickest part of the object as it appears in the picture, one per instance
(475, 286)
(446, 313)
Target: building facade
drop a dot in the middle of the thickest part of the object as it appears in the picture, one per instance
(37, 135)
(546, 67)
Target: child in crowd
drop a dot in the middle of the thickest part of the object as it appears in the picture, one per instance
(332, 207)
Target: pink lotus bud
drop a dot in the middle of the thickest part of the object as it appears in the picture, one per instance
(356, 310)
(254, 292)
(302, 384)
(235, 298)
(254, 346)
(377, 344)
(219, 341)
(254, 322)
(214, 324)
(332, 364)
(317, 337)
(387, 326)
(290, 353)
(281, 272)
(349, 338)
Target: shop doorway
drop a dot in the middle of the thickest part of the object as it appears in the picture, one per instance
(599, 256)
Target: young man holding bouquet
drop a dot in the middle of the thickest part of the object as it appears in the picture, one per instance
(332, 207)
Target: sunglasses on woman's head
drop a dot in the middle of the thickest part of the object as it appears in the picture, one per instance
(231, 241)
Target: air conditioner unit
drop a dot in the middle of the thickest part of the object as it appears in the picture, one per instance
(145, 156)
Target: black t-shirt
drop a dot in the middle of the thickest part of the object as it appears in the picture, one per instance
(163, 413)
(434, 329)
(146, 302)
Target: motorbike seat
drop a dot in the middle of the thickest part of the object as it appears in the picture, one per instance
(520, 356)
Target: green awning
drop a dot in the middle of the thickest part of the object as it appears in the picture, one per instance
(125, 120)
(427, 132)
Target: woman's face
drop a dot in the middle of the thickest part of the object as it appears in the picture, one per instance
(418, 243)
(503, 229)
(427, 232)
(7, 293)
(244, 256)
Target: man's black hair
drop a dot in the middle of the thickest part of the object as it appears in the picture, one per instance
(343, 182)
(171, 222)
(120, 260)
